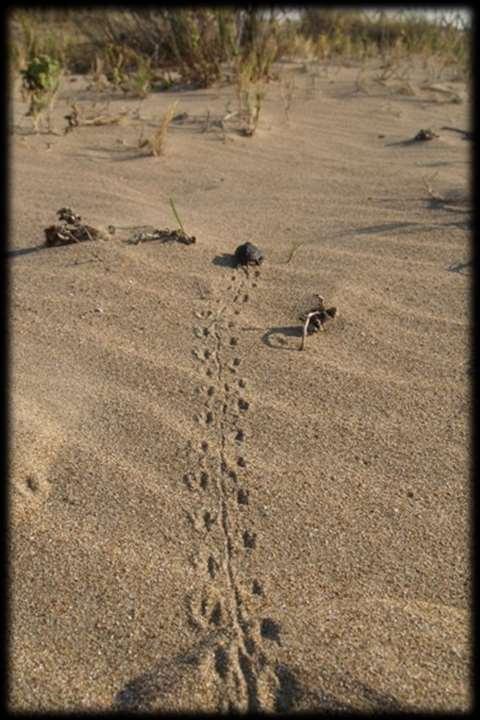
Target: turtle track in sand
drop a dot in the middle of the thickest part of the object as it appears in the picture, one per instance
(247, 680)
(234, 664)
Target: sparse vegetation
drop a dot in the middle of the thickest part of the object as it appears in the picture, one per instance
(156, 143)
(40, 82)
(203, 44)
(172, 204)
(287, 92)
(393, 35)
(136, 51)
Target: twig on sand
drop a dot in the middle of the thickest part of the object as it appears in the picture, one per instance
(293, 250)
(427, 184)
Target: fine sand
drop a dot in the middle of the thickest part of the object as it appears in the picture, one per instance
(203, 517)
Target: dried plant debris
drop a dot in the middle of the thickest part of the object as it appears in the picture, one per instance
(315, 319)
(466, 134)
(249, 254)
(70, 230)
(73, 119)
(148, 235)
(424, 135)
(180, 117)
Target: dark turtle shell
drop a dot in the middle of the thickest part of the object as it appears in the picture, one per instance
(248, 254)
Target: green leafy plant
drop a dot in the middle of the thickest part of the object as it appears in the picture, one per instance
(40, 82)
(177, 217)
(140, 81)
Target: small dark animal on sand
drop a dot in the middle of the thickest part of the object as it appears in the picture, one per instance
(248, 254)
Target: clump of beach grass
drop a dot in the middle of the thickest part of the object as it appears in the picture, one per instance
(155, 144)
(287, 90)
(40, 83)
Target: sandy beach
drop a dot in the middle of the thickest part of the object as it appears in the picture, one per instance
(202, 517)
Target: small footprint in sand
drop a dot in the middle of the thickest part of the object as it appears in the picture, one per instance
(245, 298)
(222, 662)
(204, 609)
(242, 497)
(189, 479)
(257, 588)
(32, 483)
(204, 480)
(193, 519)
(209, 418)
(216, 614)
(212, 566)
(233, 341)
(241, 462)
(34, 489)
(208, 519)
(242, 383)
(270, 630)
(249, 539)
(243, 404)
(240, 436)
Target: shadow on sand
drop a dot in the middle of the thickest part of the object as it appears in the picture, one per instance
(275, 337)
(25, 251)
(225, 260)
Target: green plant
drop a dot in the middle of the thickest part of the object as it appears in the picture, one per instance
(200, 40)
(140, 81)
(177, 217)
(40, 81)
(114, 62)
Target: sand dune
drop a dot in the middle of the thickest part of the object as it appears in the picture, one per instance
(202, 517)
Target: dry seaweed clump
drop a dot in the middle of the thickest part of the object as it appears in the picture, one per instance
(424, 135)
(316, 318)
(69, 230)
(163, 236)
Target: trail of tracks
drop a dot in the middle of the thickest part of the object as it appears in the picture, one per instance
(239, 660)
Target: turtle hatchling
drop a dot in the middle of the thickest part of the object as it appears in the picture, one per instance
(248, 254)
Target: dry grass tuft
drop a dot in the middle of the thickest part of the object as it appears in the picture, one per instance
(287, 90)
(156, 143)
